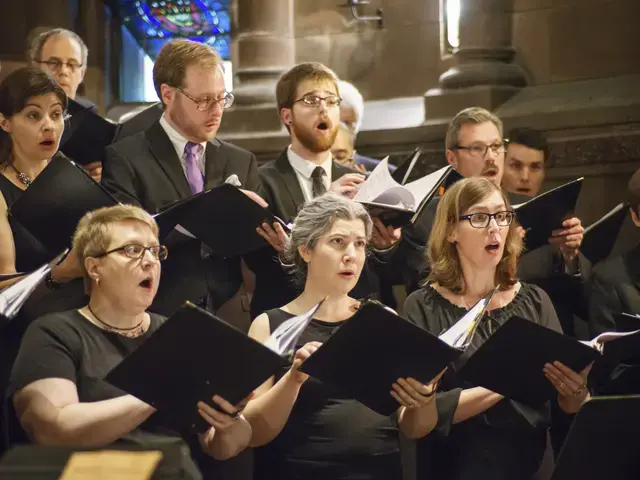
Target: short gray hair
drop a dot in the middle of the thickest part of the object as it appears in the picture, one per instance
(314, 220)
(35, 48)
(471, 115)
(352, 98)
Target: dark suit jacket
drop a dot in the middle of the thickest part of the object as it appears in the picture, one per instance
(144, 170)
(614, 288)
(274, 286)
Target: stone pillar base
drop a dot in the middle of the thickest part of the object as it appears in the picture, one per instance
(445, 103)
(251, 119)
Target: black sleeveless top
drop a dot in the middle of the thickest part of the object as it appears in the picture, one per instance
(328, 436)
(30, 253)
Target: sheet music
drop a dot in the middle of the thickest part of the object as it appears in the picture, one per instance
(13, 297)
(599, 341)
(420, 188)
(283, 339)
(460, 333)
(378, 181)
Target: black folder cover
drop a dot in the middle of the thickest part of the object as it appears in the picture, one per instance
(600, 237)
(545, 213)
(626, 322)
(511, 361)
(602, 442)
(223, 218)
(192, 357)
(372, 350)
(86, 135)
(403, 172)
(56, 200)
(623, 349)
(139, 122)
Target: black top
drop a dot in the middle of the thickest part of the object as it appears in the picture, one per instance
(67, 345)
(30, 253)
(327, 435)
(508, 440)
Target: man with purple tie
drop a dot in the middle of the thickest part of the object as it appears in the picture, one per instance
(179, 156)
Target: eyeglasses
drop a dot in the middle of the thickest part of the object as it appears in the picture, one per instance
(205, 104)
(316, 100)
(56, 65)
(480, 149)
(136, 251)
(482, 220)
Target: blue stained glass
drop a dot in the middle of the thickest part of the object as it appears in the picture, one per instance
(153, 23)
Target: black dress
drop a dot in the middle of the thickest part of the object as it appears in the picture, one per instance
(328, 436)
(66, 345)
(507, 441)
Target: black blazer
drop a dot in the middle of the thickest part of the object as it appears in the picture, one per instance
(144, 170)
(274, 286)
(614, 288)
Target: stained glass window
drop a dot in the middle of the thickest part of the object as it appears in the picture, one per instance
(155, 22)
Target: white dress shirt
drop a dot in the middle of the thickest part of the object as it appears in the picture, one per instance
(179, 142)
(304, 169)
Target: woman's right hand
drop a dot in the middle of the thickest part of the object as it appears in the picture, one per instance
(301, 355)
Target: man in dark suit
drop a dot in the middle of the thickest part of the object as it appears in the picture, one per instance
(615, 283)
(179, 156)
(309, 106)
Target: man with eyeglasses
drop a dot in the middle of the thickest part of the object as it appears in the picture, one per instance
(309, 106)
(179, 156)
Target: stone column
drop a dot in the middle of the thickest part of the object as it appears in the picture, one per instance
(483, 71)
(264, 47)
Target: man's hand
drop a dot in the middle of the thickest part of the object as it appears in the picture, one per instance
(275, 236)
(347, 185)
(255, 197)
(94, 169)
(382, 237)
(569, 238)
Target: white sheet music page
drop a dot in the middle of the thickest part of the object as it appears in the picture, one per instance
(420, 188)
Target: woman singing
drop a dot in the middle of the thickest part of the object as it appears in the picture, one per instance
(473, 248)
(57, 385)
(307, 430)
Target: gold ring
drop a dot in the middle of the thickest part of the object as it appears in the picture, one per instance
(580, 390)
(561, 385)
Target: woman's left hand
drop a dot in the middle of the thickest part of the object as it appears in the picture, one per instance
(411, 393)
(571, 386)
(225, 419)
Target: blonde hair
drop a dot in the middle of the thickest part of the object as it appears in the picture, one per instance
(93, 234)
(471, 115)
(174, 57)
(442, 255)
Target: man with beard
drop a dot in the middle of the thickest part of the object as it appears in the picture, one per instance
(309, 106)
(179, 156)
(475, 147)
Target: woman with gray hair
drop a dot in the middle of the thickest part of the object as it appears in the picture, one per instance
(305, 429)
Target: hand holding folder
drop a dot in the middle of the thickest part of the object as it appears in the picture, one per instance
(545, 213)
(223, 218)
(372, 350)
(192, 357)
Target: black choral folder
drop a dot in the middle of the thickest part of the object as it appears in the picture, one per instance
(403, 172)
(545, 213)
(192, 357)
(374, 348)
(139, 122)
(56, 200)
(223, 218)
(602, 442)
(600, 237)
(86, 135)
(626, 322)
(511, 360)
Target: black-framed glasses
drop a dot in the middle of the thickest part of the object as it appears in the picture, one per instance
(480, 149)
(205, 104)
(482, 219)
(137, 251)
(316, 100)
(56, 65)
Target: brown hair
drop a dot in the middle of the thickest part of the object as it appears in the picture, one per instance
(171, 65)
(15, 91)
(471, 115)
(289, 82)
(442, 255)
(93, 234)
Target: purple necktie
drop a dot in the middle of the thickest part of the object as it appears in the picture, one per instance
(194, 175)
